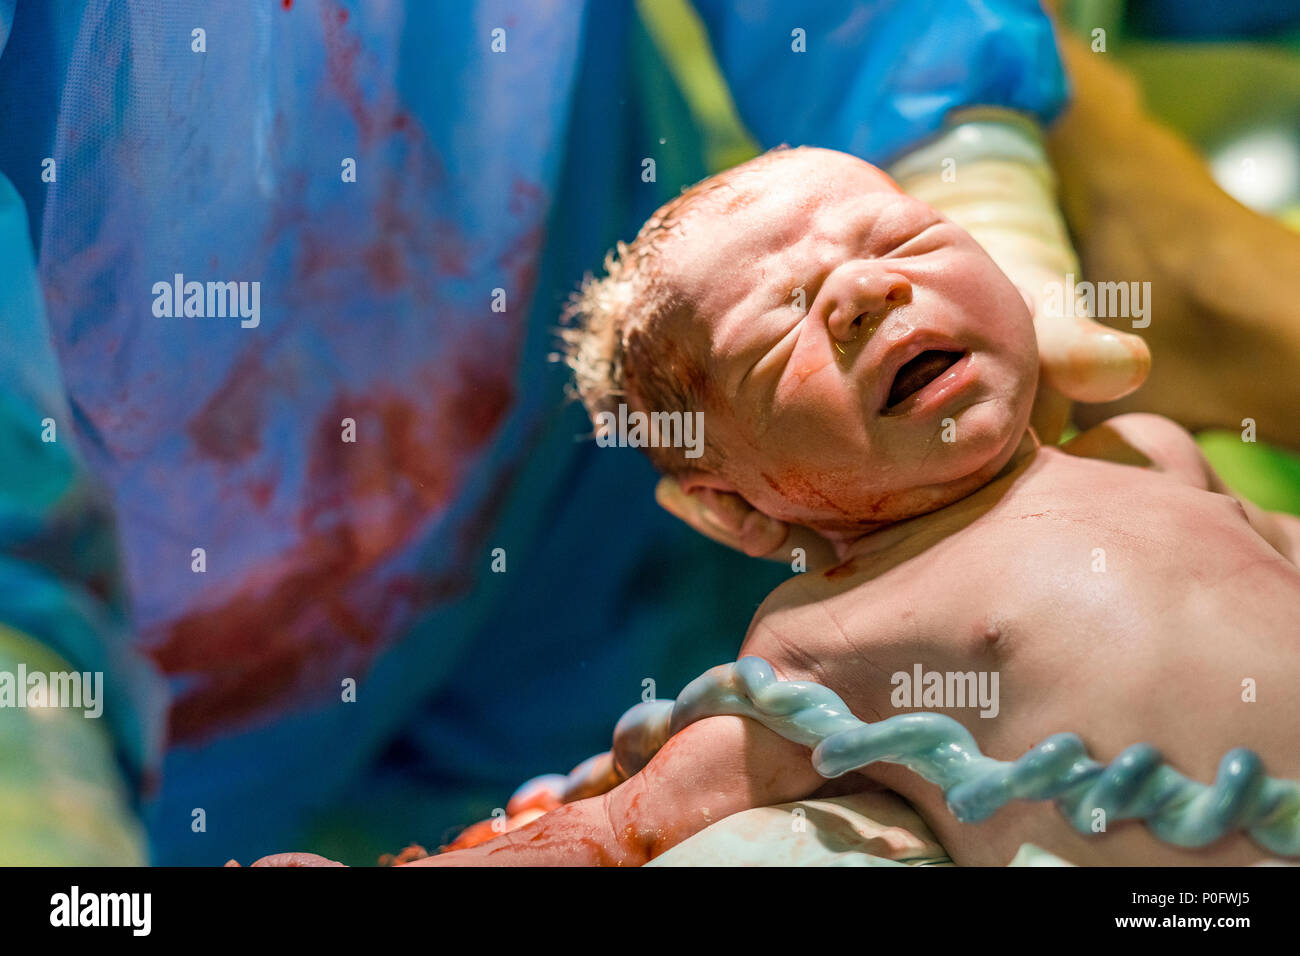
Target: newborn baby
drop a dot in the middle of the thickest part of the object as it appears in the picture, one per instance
(865, 371)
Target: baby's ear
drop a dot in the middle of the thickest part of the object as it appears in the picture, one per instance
(709, 504)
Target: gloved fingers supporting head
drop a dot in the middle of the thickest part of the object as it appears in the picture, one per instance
(1090, 362)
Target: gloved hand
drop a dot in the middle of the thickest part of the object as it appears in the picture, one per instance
(1145, 207)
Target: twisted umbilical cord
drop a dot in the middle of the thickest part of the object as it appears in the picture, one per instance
(1136, 785)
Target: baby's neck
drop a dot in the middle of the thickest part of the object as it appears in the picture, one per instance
(883, 537)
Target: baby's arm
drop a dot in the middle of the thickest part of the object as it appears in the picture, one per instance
(1152, 441)
(707, 771)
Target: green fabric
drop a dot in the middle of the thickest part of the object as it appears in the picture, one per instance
(63, 800)
(1268, 476)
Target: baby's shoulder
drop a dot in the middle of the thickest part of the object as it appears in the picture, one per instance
(846, 601)
(1146, 441)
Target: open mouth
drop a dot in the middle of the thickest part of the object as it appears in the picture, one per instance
(918, 373)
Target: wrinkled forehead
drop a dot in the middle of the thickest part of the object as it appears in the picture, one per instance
(747, 215)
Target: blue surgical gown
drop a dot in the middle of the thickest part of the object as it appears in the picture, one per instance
(415, 187)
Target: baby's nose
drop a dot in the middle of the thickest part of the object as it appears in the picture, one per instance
(858, 294)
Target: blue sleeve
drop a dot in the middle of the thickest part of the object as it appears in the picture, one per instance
(879, 77)
(59, 578)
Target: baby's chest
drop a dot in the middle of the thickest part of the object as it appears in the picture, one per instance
(864, 640)
(987, 604)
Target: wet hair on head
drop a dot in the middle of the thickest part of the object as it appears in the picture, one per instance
(613, 329)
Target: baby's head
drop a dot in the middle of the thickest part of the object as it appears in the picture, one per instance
(857, 358)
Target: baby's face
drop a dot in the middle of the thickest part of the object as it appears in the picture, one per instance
(903, 382)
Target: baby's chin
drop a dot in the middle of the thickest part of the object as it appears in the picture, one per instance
(893, 507)
(851, 504)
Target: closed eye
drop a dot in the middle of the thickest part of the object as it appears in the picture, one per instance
(771, 364)
(929, 238)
